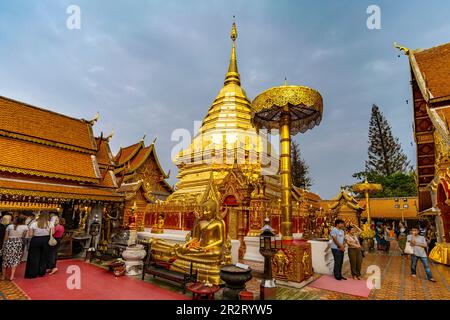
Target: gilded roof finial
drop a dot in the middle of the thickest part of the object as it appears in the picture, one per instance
(401, 48)
(233, 34)
(110, 135)
(95, 119)
(232, 75)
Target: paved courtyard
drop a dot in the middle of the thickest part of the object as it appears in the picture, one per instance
(396, 282)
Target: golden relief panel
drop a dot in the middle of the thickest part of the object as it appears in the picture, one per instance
(293, 263)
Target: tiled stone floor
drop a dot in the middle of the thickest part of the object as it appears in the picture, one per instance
(10, 291)
(396, 282)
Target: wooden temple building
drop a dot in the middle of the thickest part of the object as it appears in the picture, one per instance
(352, 210)
(141, 180)
(49, 161)
(53, 162)
(430, 81)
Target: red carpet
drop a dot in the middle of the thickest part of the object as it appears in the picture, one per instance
(96, 284)
(350, 286)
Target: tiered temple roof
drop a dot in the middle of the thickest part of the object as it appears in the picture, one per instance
(49, 155)
(432, 66)
(137, 166)
(346, 204)
(430, 74)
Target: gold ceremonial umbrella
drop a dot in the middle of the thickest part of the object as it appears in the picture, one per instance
(290, 109)
(367, 188)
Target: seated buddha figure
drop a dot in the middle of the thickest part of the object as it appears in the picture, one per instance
(208, 247)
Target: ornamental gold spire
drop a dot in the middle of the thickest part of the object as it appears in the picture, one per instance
(232, 75)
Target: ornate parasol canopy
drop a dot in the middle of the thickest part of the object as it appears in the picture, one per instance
(367, 187)
(290, 109)
(302, 103)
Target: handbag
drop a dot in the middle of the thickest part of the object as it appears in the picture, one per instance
(408, 248)
(52, 242)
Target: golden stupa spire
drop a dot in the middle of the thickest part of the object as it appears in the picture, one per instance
(232, 75)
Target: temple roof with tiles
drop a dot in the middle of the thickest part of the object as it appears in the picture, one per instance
(46, 154)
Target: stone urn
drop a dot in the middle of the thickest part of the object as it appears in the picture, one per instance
(235, 279)
(133, 256)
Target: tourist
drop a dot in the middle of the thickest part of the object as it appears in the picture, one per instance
(431, 238)
(419, 244)
(338, 248)
(423, 228)
(53, 252)
(380, 237)
(26, 241)
(387, 238)
(39, 247)
(354, 252)
(12, 246)
(6, 220)
(392, 234)
(402, 236)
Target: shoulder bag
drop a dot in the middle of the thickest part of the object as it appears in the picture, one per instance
(52, 242)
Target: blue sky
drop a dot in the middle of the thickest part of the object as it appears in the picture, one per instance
(154, 66)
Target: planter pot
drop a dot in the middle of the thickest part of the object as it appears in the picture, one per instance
(133, 256)
(235, 279)
(245, 295)
(135, 252)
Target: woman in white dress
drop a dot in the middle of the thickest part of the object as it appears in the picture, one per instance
(12, 246)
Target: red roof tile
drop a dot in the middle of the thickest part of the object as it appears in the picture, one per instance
(434, 65)
(21, 118)
(125, 154)
(104, 156)
(37, 159)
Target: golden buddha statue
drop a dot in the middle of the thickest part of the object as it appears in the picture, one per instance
(159, 225)
(208, 247)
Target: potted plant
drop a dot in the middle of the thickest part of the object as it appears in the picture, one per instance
(367, 235)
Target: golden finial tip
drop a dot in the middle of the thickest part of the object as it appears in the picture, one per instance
(233, 34)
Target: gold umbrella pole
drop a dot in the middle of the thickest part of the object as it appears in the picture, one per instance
(367, 207)
(286, 179)
(367, 188)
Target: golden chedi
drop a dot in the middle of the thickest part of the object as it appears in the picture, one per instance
(226, 138)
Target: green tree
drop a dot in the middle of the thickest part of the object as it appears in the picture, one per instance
(385, 154)
(300, 170)
(398, 184)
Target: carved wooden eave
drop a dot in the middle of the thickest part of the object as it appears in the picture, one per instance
(130, 190)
